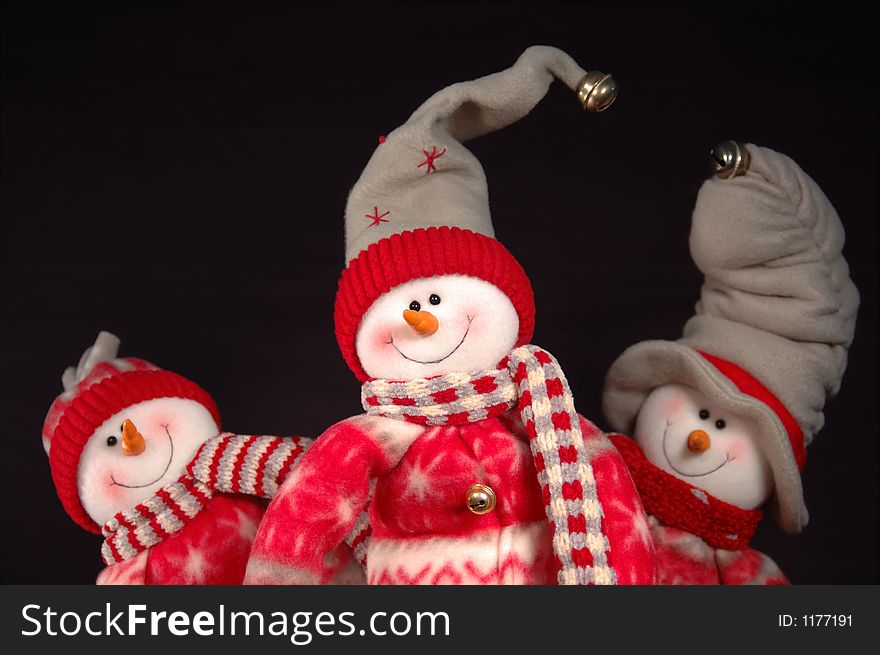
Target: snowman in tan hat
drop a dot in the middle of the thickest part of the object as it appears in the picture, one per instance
(721, 418)
(137, 455)
(470, 458)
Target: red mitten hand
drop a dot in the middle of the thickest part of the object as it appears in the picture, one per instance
(317, 506)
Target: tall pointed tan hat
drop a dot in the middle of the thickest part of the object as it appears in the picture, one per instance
(774, 321)
(421, 206)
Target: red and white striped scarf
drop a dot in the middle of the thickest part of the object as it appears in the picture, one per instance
(532, 380)
(227, 463)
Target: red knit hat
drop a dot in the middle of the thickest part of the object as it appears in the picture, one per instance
(421, 205)
(98, 388)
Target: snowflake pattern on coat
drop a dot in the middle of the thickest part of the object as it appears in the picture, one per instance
(685, 559)
(211, 549)
(422, 530)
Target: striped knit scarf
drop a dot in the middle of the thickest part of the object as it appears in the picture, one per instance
(227, 463)
(532, 380)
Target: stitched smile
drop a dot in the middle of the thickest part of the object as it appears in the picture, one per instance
(449, 354)
(727, 458)
(162, 475)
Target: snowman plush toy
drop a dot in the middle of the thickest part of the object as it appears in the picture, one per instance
(721, 418)
(471, 459)
(137, 455)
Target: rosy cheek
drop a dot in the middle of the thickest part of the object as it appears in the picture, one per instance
(471, 320)
(738, 450)
(673, 406)
(376, 344)
(157, 424)
(114, 492)
(104, 477)
(379, 339)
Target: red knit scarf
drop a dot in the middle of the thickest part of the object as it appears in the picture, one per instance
(532, 380)
(227, 463)
(681, 505)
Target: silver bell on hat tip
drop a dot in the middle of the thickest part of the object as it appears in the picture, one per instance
(597, 91)
(730, 159)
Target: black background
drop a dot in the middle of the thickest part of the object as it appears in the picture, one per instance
(177, 174)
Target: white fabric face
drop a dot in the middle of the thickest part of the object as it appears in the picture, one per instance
(732, 468)
(478, 326)
(108, 481)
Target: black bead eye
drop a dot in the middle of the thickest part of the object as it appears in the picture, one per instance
(434, 299)
(111, 441)
(720, 424)
(704, 414)
(415, 305)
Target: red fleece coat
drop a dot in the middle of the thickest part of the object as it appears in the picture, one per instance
(212, 548)
(414, 482)
(685, 559)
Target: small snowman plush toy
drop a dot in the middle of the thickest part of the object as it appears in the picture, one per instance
(471, 460)
(137, 455)
(721, 419)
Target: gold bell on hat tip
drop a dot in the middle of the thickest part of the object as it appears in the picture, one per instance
(597, 91)
(730, 159)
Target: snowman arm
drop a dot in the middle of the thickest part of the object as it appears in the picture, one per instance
(318, 505)
(132, 571)
(253, 465)
(748, 567)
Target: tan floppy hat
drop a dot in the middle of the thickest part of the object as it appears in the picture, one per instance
(774, 321)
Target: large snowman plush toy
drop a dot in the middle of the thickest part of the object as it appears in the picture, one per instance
(471, 460)
(721, 418)
(137, 455)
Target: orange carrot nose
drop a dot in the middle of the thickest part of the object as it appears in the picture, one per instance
(698, 441)
(133, 442)
(423, 323)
